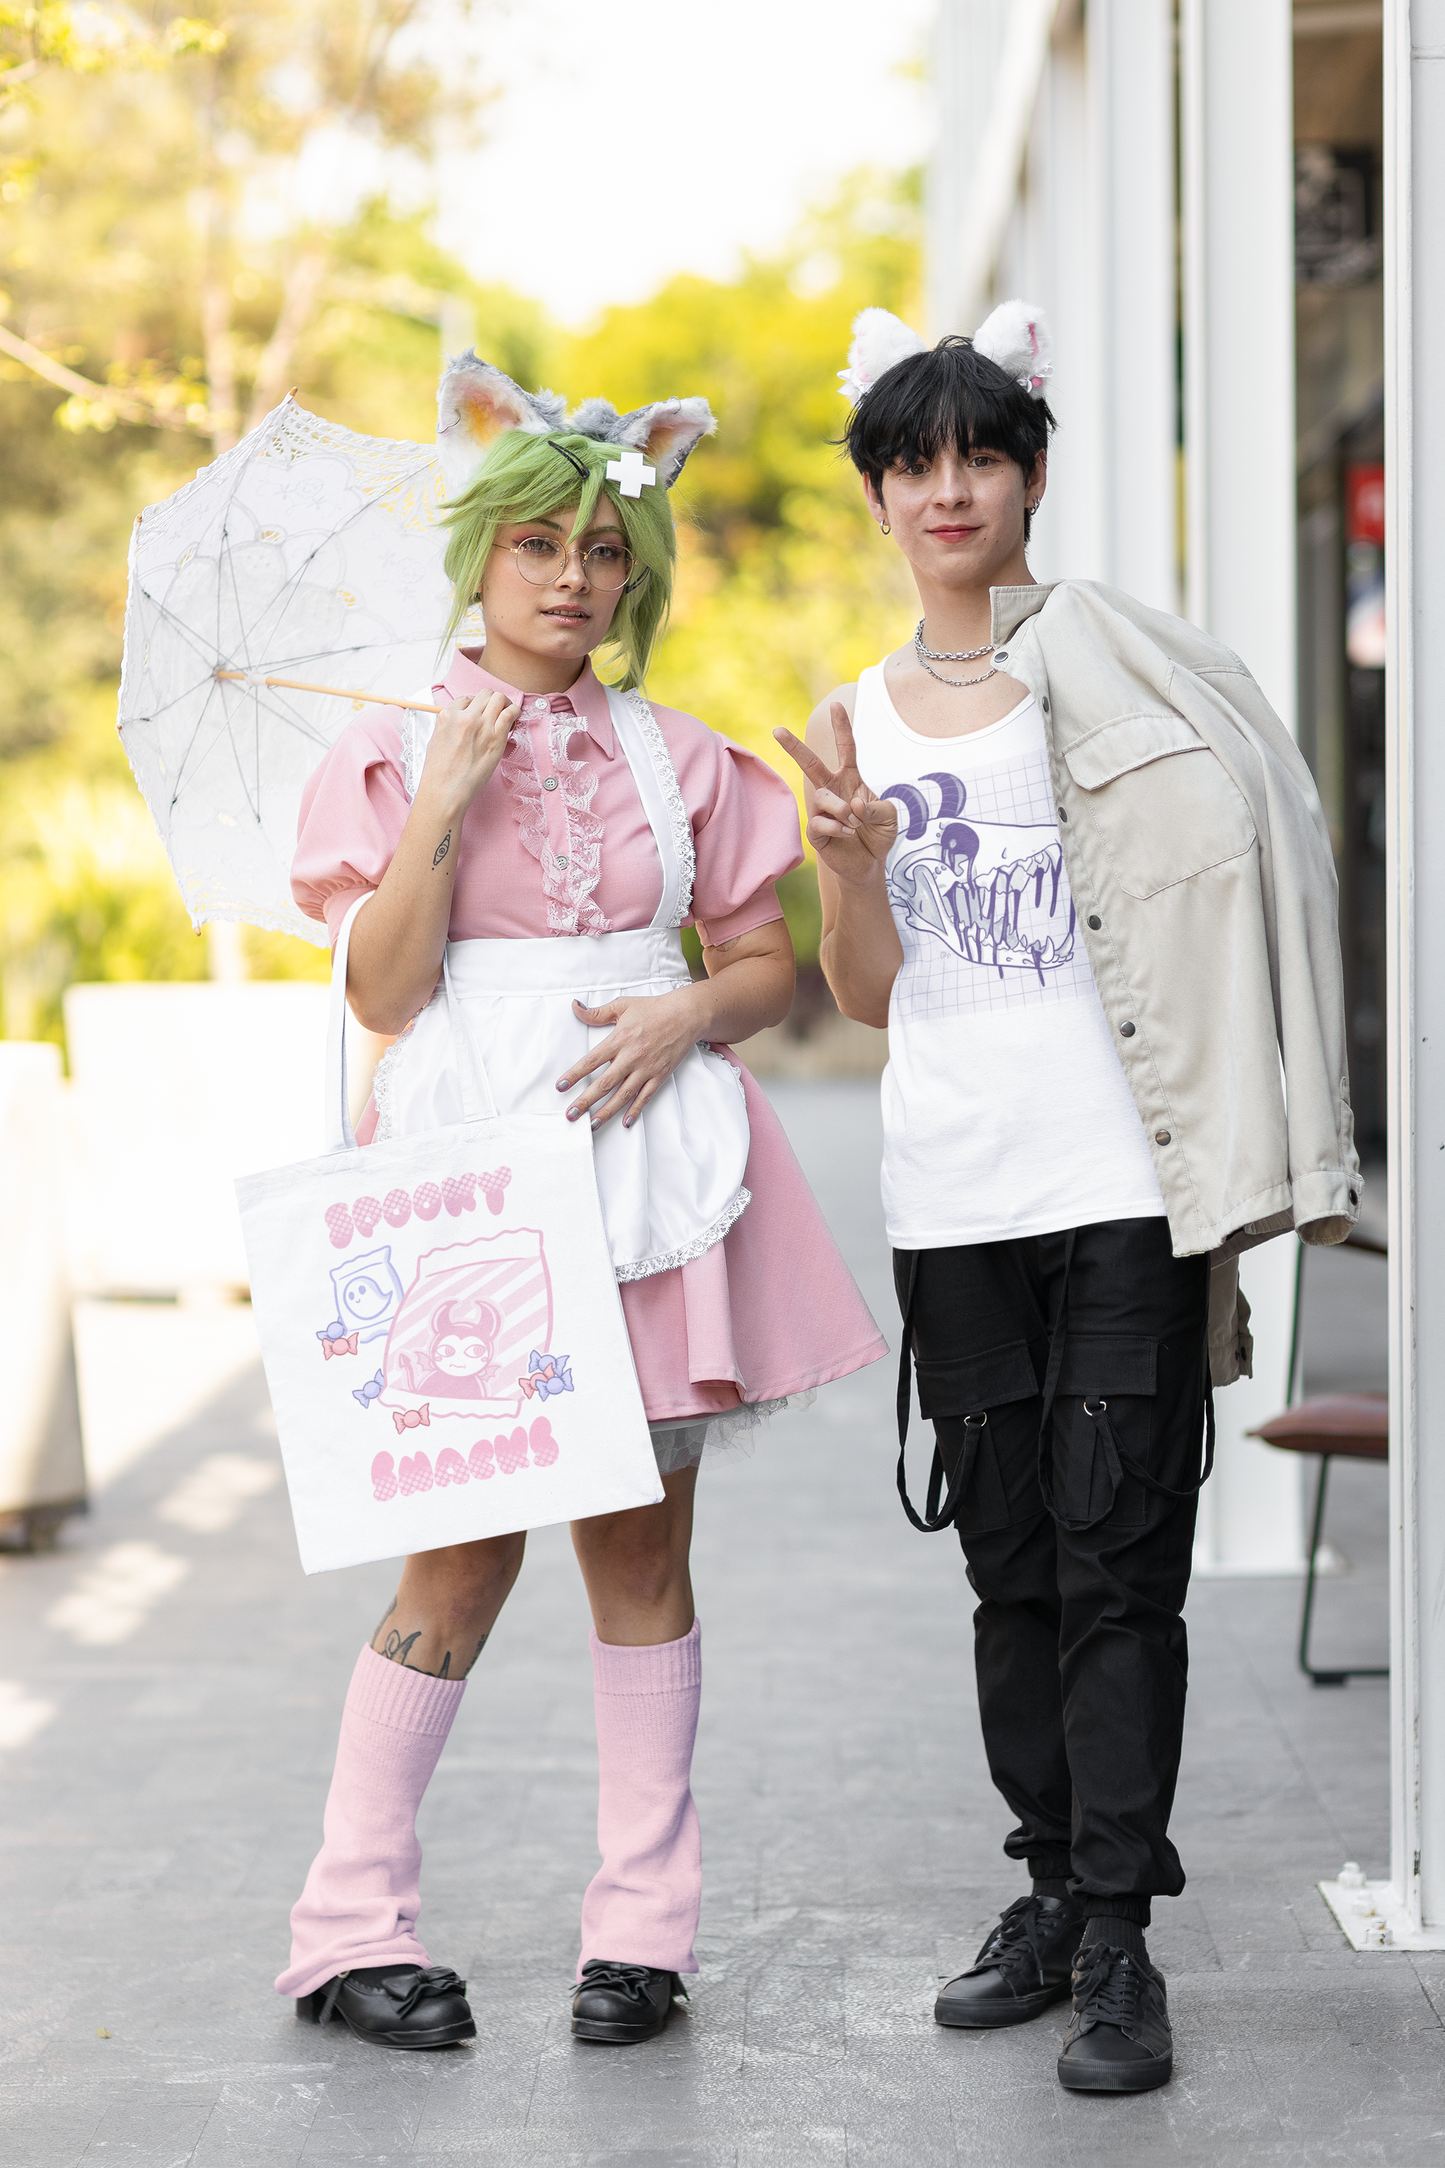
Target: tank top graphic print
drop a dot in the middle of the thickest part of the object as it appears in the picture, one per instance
(977, 882)
(1005, 1107)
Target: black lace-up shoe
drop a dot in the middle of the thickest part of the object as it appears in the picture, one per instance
(395, 2006)
(1023, 1966)
(1118, 2039)
(622, 2003)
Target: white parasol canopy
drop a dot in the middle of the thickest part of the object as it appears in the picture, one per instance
(305, 552)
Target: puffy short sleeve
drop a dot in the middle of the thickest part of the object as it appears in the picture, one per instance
(353, 810)
(747, 837)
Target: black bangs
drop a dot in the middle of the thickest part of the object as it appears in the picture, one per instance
(951, 398)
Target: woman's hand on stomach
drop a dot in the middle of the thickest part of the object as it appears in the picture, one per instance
(749, 985)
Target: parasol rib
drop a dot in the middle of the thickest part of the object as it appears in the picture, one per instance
(336, 692)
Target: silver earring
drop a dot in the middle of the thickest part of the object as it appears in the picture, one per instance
(885, 528)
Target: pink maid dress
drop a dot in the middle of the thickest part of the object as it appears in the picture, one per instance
(608, 825)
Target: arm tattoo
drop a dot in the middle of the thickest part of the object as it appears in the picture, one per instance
(442, 848)
(480, 1646)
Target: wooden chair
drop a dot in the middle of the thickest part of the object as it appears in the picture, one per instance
(1353, 1426)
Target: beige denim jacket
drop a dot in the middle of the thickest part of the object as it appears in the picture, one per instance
(1204, 885)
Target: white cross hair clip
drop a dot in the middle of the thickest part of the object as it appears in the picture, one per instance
(629, 470)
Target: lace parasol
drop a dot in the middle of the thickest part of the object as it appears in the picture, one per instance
(306, 553)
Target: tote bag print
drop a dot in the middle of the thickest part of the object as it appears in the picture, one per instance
(443, 1338)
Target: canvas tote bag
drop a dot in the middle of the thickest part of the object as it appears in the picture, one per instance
(440, 1325)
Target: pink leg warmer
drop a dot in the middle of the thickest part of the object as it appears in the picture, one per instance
(641, 1907)
(363, 1894)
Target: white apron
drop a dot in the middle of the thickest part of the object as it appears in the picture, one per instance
(672, 1185)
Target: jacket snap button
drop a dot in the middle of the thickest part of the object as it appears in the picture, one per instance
(1161, 1136)
(1044, 703)
(549, 782)
(1126, 1031)
(1063, 816)
(1001, 656)
(1354, 1198)
(1095, 922)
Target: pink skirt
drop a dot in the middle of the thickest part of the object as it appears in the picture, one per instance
(768, 1312)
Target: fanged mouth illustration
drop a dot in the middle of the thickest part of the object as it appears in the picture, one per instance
(1018, 916)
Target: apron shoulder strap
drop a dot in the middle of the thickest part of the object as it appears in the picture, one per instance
(662, 801)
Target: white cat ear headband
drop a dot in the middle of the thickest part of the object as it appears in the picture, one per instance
(476, 404)
(1016, 336)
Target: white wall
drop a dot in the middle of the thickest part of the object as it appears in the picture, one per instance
(41, 1462)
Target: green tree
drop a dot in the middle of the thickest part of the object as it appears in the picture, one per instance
(785, 587)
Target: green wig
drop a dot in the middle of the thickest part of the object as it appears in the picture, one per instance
(530, 476)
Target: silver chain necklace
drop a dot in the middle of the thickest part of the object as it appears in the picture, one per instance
(927, 656)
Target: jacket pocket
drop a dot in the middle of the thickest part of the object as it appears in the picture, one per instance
(1164, 807)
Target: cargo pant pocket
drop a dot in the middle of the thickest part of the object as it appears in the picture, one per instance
(985, 1415)
(1101, 1430)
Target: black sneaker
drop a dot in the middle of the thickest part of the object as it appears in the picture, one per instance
(622, 2003)
(1023, 1966)
(1118, 2039)
(395, 2006)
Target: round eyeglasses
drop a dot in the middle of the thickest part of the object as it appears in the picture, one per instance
(541, 560)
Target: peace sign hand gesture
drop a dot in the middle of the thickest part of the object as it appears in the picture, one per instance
(850, 828)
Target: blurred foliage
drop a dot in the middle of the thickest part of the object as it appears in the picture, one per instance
(786, 589)
(112, 251)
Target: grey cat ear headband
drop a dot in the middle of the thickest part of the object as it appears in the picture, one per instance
(476, 404)
(1016, 336)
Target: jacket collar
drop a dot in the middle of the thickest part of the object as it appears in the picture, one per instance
(1011, 605)
(586, 697)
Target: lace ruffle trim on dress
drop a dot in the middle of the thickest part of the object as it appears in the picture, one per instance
(646, 1268)
(567, 887)
(381, 1084)
(684, 1445)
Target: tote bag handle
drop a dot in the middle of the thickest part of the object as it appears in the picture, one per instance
(478, 1101)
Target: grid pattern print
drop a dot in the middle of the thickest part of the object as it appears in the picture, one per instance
(980, 894)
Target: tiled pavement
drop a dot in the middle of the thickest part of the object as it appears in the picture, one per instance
(179, 1681)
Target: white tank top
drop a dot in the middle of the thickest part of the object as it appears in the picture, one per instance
(1005, 1109)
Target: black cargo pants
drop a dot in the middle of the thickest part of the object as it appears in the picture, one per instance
(1066, 1377)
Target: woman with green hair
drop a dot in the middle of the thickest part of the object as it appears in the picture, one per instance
(551, 833)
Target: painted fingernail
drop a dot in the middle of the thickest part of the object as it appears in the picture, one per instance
(562, 1084)
(572, 1113)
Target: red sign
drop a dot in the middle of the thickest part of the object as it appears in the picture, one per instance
(1365, 504)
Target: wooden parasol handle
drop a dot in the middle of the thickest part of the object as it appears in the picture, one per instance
(337, 692)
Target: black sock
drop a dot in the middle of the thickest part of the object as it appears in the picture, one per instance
(1119, 1934)
(1050, 1885)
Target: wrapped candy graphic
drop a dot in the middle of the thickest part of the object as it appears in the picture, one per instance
(413, 1419)
(546, 1374)
(370, 1391)
(336, 1340)
(465, 1334)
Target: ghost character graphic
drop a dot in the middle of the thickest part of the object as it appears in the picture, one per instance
(368, 1289)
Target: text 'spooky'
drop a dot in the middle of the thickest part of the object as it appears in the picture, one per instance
(507, 1452)
(344, 1222)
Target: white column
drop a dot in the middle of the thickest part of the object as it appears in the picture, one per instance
(1237, 177)
(1131, 87)
(1236, 104)
(1415, 781)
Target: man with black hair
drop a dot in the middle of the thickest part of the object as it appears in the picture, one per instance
(1078, 868)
